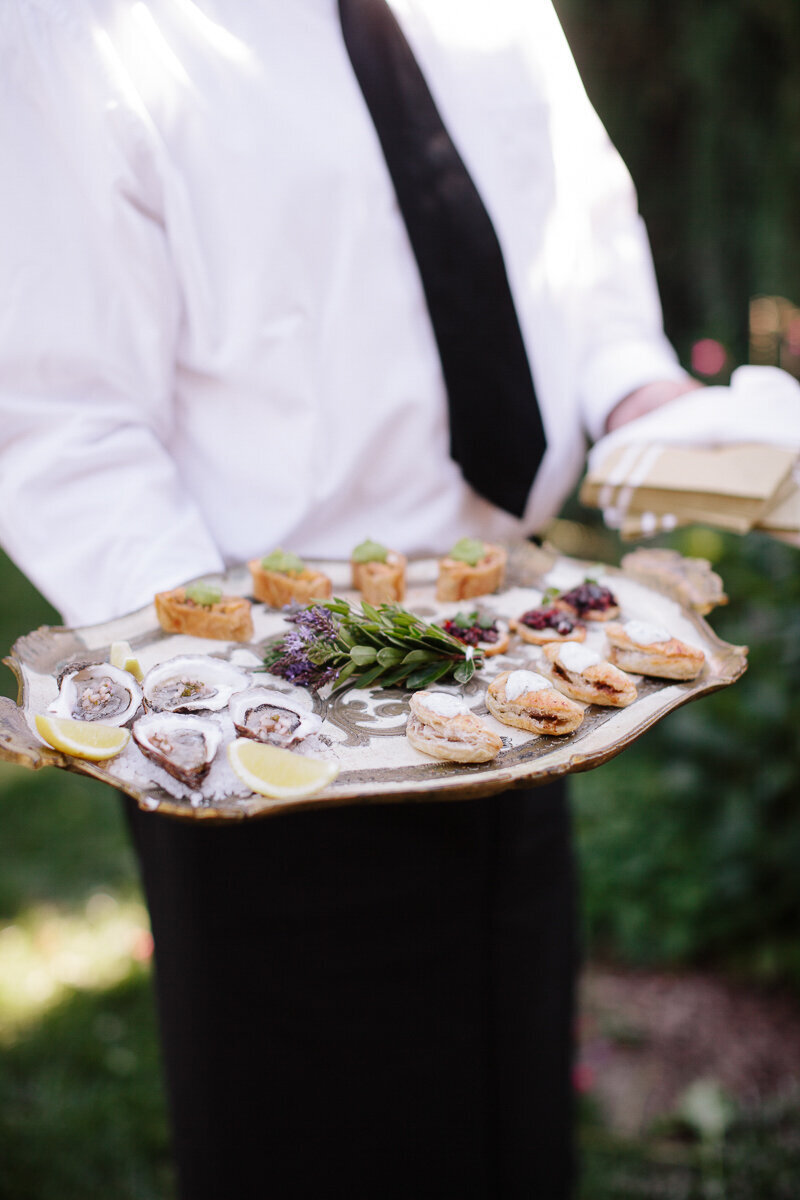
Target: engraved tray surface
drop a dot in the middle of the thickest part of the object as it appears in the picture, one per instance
(364, 730)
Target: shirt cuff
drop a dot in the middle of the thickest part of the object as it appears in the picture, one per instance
(613, 373)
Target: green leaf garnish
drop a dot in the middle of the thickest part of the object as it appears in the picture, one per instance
(362, 656)
(387, 645)
(203, 593)
(465, 620)
(369, 551)
(469, 551)
(464, 671)
(284, 562)
(390, 656)
(425, 676)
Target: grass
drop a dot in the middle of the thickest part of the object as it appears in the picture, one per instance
(81, 1105)
(81, 1112)
(759, 1159)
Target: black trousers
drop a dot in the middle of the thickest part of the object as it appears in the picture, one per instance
(369, 1002)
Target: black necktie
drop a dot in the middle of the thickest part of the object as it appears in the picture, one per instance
(496, 433)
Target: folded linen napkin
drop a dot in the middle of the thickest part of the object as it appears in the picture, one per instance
(761, 404)
(725, 456)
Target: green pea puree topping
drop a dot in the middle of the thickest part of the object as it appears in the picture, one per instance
(284, 562)
(369, 551)
(469, 551)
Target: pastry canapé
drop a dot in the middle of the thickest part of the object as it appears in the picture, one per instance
(283, 578)
(529, 701)
(472, 568)
(649, 649)
(482, 631)
(583, 675)
(201, 610)
(548, 624)
(442, 726)
(378, 573)
(589, 601)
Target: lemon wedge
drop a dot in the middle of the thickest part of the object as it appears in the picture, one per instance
(280, 774)
(123, 657)
(83, 739)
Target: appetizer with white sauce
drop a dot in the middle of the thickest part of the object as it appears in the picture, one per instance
(442, 726)
(649, 649)
(583, 675)
(529, 701)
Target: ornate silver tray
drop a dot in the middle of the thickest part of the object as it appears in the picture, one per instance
(365, 730)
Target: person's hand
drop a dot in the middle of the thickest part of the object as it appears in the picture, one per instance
(646, 398)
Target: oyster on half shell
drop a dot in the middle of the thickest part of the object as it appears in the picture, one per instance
(192, 684)
(270, 716)
(182, 745)
(97, 692)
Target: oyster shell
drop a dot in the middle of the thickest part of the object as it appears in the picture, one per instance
(97, 692)
(269, 716)
(192, 684)
(183, 745)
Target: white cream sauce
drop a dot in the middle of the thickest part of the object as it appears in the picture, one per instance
(444, 705)
(520, 682)
(643, 633)
(575, 657)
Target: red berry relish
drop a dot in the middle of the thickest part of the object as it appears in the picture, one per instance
(474, 634)
(589, 597)
(549, 618)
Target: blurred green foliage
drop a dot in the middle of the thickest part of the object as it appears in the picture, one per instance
(702, 101)
(757, 1157)
(690, 840)
(81, 1108)
(21, 609)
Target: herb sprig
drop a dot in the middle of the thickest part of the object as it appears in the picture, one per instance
(384, 646)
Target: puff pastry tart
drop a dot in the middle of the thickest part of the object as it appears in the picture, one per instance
(442, 726)
(378, 573)
(472, 568)
(201, 610)
(548, 624)
(589, 601)
(282, 578)
(529, 701)
(580, 673)
(650, 650)
(482, 632)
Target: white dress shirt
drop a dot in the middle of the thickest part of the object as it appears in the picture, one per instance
(213, 338)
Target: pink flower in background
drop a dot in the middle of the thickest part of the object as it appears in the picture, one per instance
(142, 948)
(582, 1078)
(708, 357)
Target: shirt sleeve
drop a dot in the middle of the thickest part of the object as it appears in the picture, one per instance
(622, 344)
(91, 504)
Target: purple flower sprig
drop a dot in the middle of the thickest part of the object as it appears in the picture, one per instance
(308, 655)
(384, 645)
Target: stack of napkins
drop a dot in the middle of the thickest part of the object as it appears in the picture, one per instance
(721, 456)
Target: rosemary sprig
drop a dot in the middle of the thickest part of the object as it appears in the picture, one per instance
(387, 646)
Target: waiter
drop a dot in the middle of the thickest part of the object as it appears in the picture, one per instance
(292, 273)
